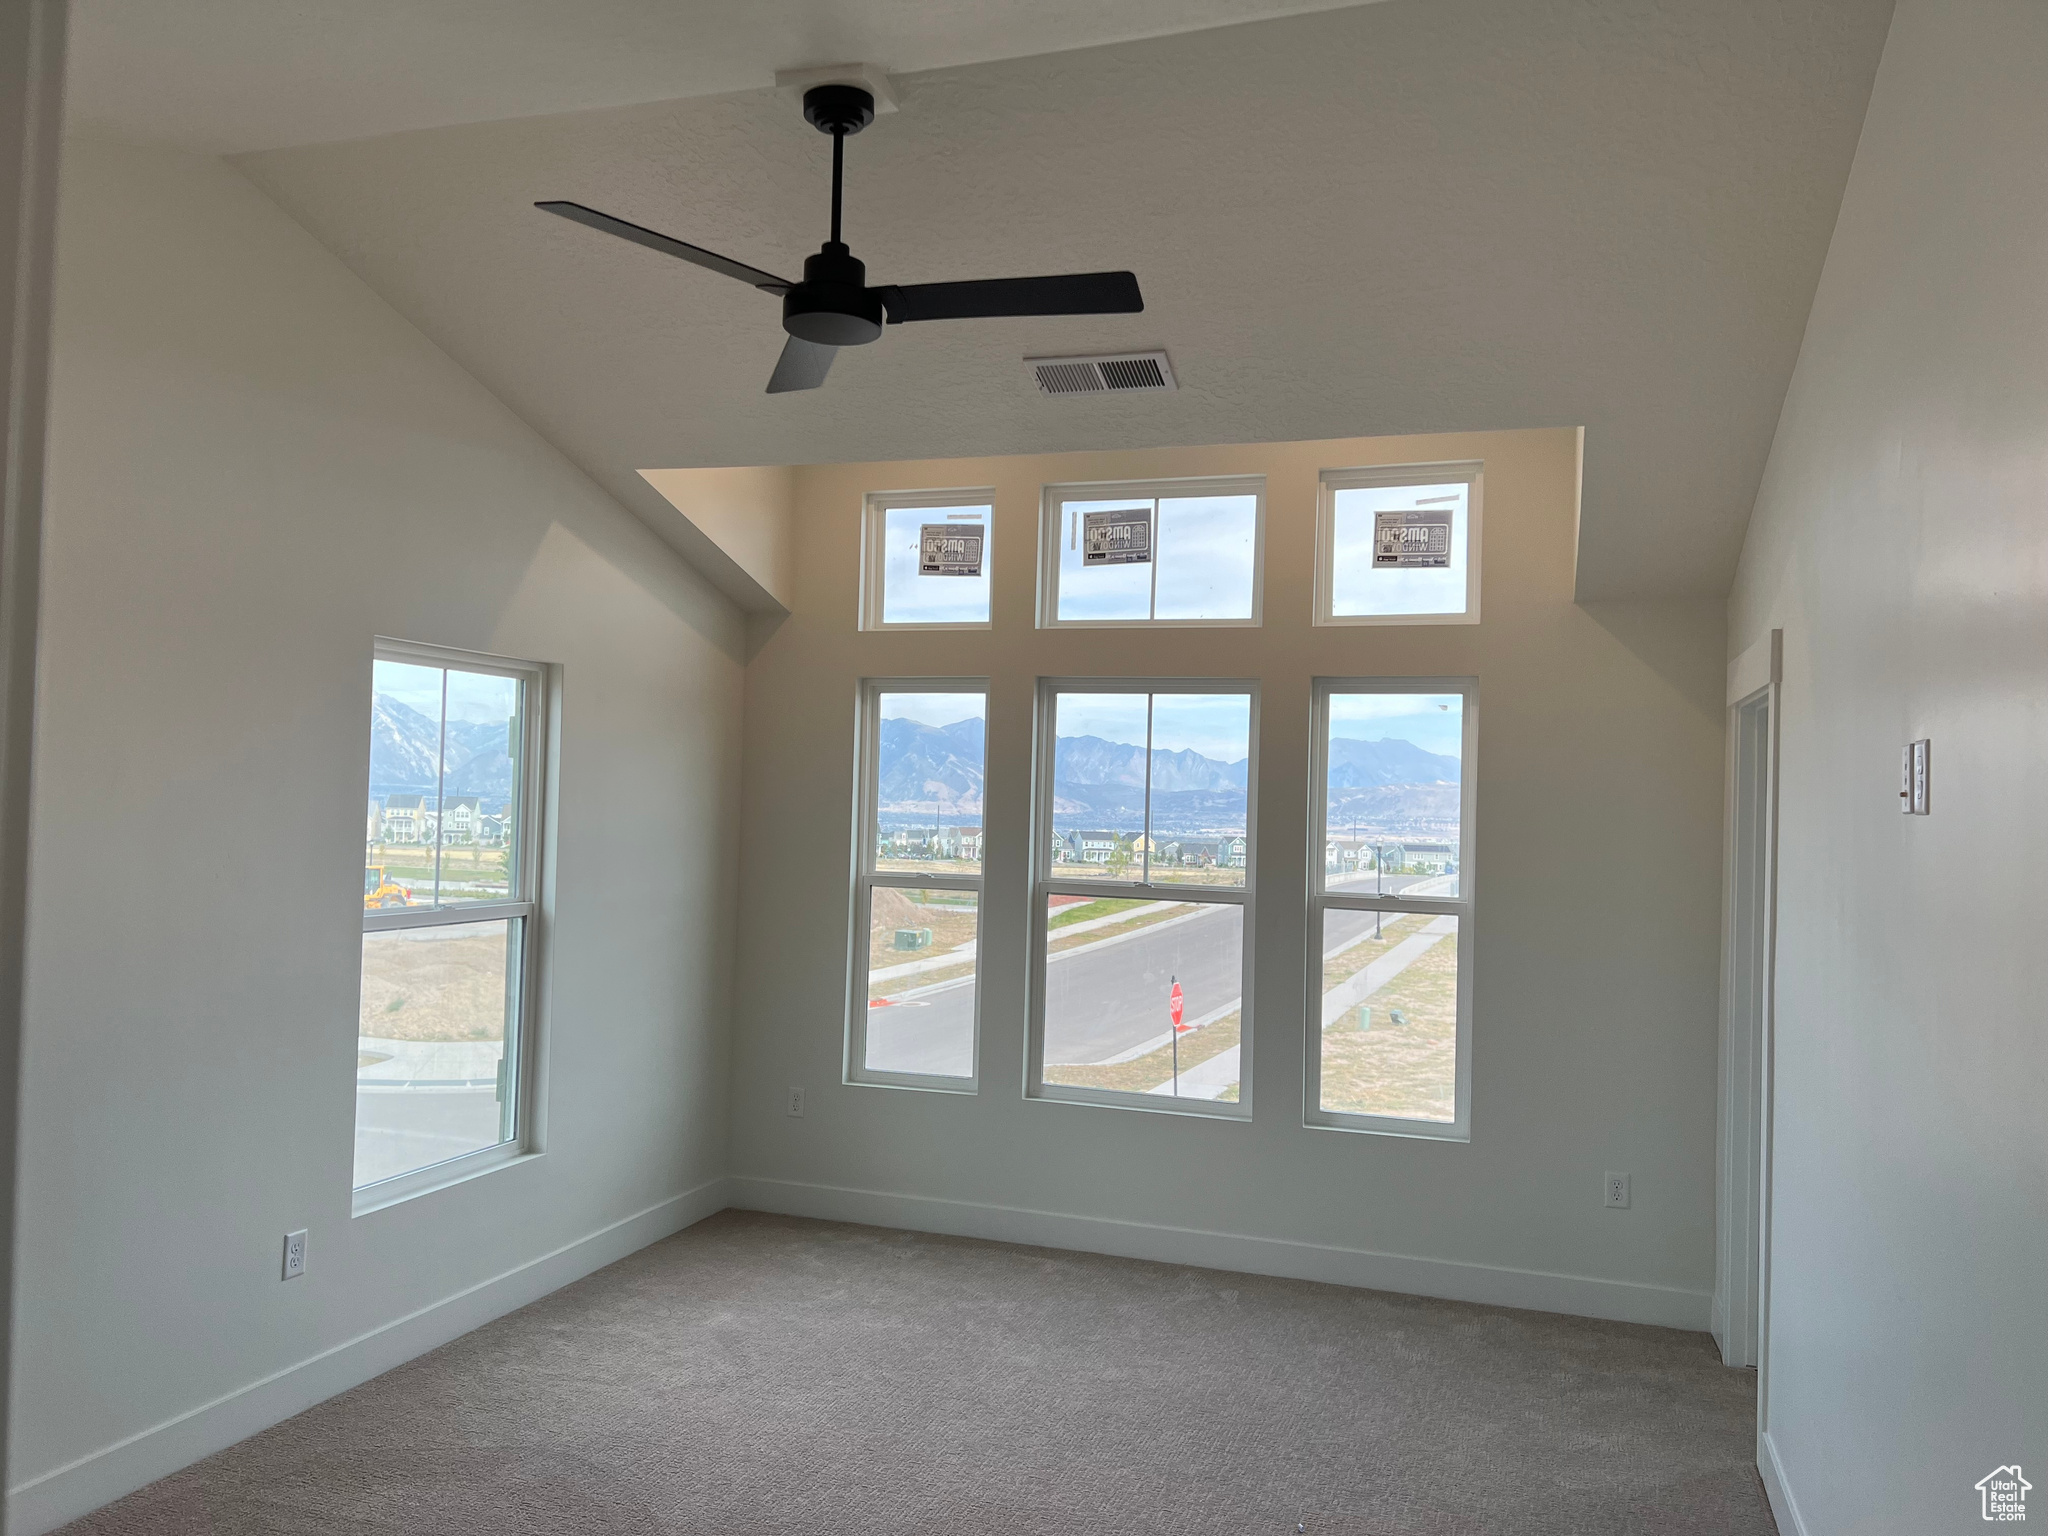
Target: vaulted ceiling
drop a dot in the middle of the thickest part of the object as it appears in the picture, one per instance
(1420, 215)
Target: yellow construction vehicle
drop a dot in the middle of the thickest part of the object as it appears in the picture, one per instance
(380, 891)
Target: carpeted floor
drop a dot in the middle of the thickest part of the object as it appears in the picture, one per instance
(758, 1374)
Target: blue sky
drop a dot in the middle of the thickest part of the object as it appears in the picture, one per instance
(1217, 725)
(935, 708)
(1433, 721)
(471, 695)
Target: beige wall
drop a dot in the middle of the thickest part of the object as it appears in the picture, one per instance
(1599, 800)
(1901, 543)
(257, 467)
(733, 524)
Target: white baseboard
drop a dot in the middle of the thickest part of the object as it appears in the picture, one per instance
(46, 1502)
(1579, 1295)
(1784, 1508)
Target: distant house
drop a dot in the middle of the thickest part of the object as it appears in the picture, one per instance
(405, 819)
(1232, 856)
(376, 820)
(1094, 847)
(462, 819)
(1428, 858)
(956, 843)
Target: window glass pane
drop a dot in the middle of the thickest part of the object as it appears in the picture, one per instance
(921, 988)
(910, 597)
(1117, 590)
(1201, 757)
(1111, 969)
(1359, 587)
(1098, 786)
(930, 748)
(405, 785)
(1206, 548)
(443, 826)
(437, 1004)
(480, 788)
(1392, 813)
(1390, 1014)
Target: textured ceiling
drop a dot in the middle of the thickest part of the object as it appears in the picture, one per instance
(236, 75)
(1426, 215)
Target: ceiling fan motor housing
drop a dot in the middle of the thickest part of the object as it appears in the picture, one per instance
(833, 306)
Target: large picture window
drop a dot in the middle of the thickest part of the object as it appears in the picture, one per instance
(1169, 552)
(1398, 545)
(1390, 922)
(450, 886)
(917, 883)
(1143, 893)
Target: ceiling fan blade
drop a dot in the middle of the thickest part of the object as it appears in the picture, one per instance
(803, 365)
(1080, 293)
(576, 213)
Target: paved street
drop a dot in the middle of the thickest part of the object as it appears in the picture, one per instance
(1107, 999)
(426, 1102)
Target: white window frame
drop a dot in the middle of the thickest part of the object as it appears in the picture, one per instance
(1468, 472)
(866, 877)
(1052, 523)
(520, 1096)
(875, 508)
(1321, 900)
(1044, 883)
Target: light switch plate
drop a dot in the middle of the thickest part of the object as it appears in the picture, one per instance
(1913, 786)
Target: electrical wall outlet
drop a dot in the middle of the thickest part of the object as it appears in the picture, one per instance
(795, 1107)
(294, 1254)
(1615, 1197)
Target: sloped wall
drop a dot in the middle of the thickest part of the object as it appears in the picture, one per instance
(1901, 543)
(256, 468)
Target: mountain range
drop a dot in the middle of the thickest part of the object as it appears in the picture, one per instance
(405, 746)
(932, 773)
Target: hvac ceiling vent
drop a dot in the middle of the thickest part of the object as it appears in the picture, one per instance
(1119, 372)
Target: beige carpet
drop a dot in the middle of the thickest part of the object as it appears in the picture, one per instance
(758, 1374)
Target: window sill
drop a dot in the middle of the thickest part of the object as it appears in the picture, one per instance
(1143, 1103)
(1389, 1125)
(424, 1181)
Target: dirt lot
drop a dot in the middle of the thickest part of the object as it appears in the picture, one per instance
(435, 983)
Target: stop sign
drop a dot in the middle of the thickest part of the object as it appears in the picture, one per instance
(1173, 1007)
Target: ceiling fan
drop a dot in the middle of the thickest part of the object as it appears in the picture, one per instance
(833, 306)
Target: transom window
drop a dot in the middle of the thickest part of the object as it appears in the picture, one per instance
(1142, 895)
(1398, 545)
(450, 884)
(917, 895)
(926, 560)
(1168, 552)
(1390, 920)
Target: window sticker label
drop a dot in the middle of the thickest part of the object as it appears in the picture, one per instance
(949, 549)
(1409, 537)
(1122, 536)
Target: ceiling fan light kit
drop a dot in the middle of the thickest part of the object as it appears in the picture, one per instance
(833, 306)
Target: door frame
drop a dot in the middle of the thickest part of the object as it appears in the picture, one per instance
(1748, 1003)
